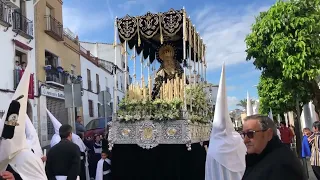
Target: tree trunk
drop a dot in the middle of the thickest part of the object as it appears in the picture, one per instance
(283, 119)
(316, 98)
(297, 128)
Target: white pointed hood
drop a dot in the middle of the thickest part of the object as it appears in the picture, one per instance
(222, 122)
(56, 137)
(32, 138)
(249, 106)
(226, 145)
(11, 147)
(56, 125)
(256, 107)
(270, 115)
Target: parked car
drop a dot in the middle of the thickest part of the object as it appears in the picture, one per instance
(96, 126)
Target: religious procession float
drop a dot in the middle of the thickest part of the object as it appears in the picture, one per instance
(161, 125)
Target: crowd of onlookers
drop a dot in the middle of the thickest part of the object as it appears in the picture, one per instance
(310, 147)
(97, 146)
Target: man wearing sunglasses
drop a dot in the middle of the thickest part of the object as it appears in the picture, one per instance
(267, 157)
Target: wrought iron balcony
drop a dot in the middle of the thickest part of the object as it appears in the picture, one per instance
(53, 76)
(22, 25)
(54, 28)
(5, 15)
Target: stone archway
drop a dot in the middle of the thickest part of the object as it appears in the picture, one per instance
(29, 111)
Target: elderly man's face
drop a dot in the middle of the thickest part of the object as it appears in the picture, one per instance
(254, 137)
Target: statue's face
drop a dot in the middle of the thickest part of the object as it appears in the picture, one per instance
(166, 53)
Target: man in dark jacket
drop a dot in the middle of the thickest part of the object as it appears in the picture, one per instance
(267, 157)
(63, 159)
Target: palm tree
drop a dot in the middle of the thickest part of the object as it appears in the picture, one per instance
(243, 103)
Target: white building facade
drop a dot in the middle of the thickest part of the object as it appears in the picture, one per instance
(17, 49)
(97, 76)
(106, 53)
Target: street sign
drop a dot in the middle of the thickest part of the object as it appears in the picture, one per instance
(104, 97)
(72, 94)
(108, 110)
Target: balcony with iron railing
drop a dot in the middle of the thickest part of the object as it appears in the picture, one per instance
(70, 35)
(5, 15)
(54, 77)
(22, 25)
(54, 28)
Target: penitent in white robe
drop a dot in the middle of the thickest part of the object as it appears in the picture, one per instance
(99, 171)
(220, 172)
(226, 152)
(28, 165)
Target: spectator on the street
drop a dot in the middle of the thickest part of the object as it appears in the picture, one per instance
(286, 134)
(103, 171)
(308, 133)
(97, 148)
(306, 148)
(80, 129)
(267, 158)
(315, 151)
(291, 127)
(63, 159)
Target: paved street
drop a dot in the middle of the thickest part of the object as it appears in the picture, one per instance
(311, 175)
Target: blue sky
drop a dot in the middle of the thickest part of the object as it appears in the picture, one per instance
(222, 24)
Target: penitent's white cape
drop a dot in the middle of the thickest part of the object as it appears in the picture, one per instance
(226, 152)
(99, 171)
(15, 151)
(249, 106)
(32, 138)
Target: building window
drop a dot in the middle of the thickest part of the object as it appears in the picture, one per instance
(97, 83)
(118, 100)
(23, 8)
(111, 105)
(91, 113)
(100, 110)
(89, 80)
(107, 85)
(52, 74)
(20, 65)
(51, 59)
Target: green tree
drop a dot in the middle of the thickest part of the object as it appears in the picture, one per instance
(283, 95)
(285, 43)
(243, 103)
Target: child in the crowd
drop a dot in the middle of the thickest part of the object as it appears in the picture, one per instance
(103, 167)
(97, 149)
